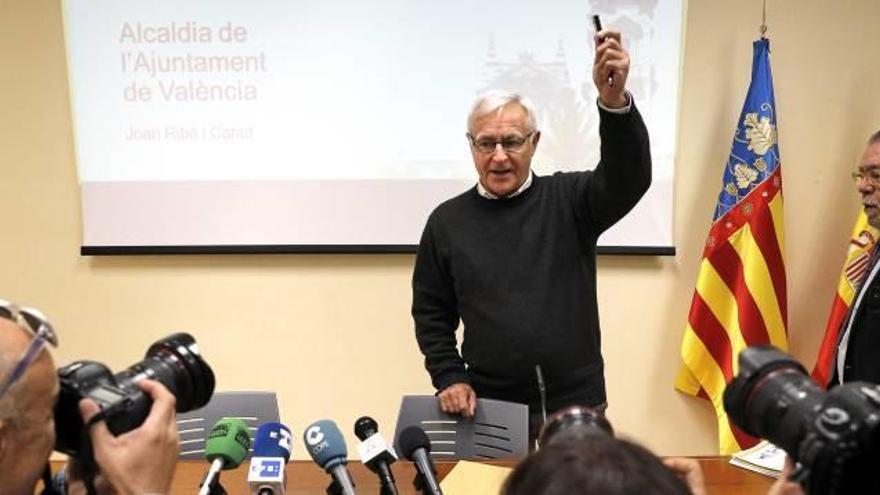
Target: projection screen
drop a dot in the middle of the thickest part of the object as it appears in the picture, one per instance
(337, 125)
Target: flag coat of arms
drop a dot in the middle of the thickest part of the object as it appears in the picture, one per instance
(855, 267)
(740, 294)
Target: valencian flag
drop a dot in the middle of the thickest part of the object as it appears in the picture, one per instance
(740, 295)
(854, 270)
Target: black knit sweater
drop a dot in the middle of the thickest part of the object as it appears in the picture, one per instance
(520, 273)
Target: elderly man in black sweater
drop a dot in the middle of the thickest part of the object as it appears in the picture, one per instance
(514, 258)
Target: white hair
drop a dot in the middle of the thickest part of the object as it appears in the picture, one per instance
(496, 99)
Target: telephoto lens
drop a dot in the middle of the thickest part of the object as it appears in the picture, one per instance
(772, 397)
(574, 423)
(173, 361)
(176, 363)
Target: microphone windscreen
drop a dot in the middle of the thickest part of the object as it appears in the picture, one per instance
(365, 427)
(413, 438)
(272, 440)
(229, 440)
(325, 444)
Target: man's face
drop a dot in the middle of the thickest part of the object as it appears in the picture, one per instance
(869, 167)
(502, 172)
(27, 439)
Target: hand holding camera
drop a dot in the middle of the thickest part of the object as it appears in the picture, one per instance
(142, 460)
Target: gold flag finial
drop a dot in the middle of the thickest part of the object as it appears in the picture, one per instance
(763, 27)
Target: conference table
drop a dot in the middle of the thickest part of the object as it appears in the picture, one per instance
(305, 478)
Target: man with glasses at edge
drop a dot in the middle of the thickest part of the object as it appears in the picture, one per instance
(859, 341)
(514, 258)
(141, 461)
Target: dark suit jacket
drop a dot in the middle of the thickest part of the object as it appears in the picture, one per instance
(863, 351)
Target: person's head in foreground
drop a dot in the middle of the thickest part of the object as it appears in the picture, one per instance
(140, 461)
(28, 389)
(602, 465)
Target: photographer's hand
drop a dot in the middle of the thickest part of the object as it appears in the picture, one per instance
(689, 471)
(783, 486)
(141, 461)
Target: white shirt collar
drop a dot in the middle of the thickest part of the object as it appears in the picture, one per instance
(488, 195)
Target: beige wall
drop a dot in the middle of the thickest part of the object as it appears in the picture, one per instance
(332, 334)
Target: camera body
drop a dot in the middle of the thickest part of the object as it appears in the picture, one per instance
(834, 435)
(173, 361)
(125, 406)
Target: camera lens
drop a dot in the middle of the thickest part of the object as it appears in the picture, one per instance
(176, 363)
(574, 423)
(772, 397)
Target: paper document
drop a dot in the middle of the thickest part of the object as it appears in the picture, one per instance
(474, 478)
(764, 458)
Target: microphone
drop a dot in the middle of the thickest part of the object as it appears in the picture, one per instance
(267, 475)
(376, 453)
(226, 447)
(415, 446)
(325, 444)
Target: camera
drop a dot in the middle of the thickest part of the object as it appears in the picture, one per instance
(833, 435)
(173, 361)
(574, 423)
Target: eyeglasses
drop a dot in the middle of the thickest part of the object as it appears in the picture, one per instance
(510, 144)
(36, 324)
(871, 176)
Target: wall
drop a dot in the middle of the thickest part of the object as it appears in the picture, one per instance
(332, 334)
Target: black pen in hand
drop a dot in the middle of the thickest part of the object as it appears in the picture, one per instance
(597, 25)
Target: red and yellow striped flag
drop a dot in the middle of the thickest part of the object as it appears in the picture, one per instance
(740, 295)
(854, 270)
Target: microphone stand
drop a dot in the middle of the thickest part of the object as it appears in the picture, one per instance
(215, 488)
(334, 488)
(419, 483)
(387, 489)
(386, 478)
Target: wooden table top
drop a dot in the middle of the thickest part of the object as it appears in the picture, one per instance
(306, 478)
